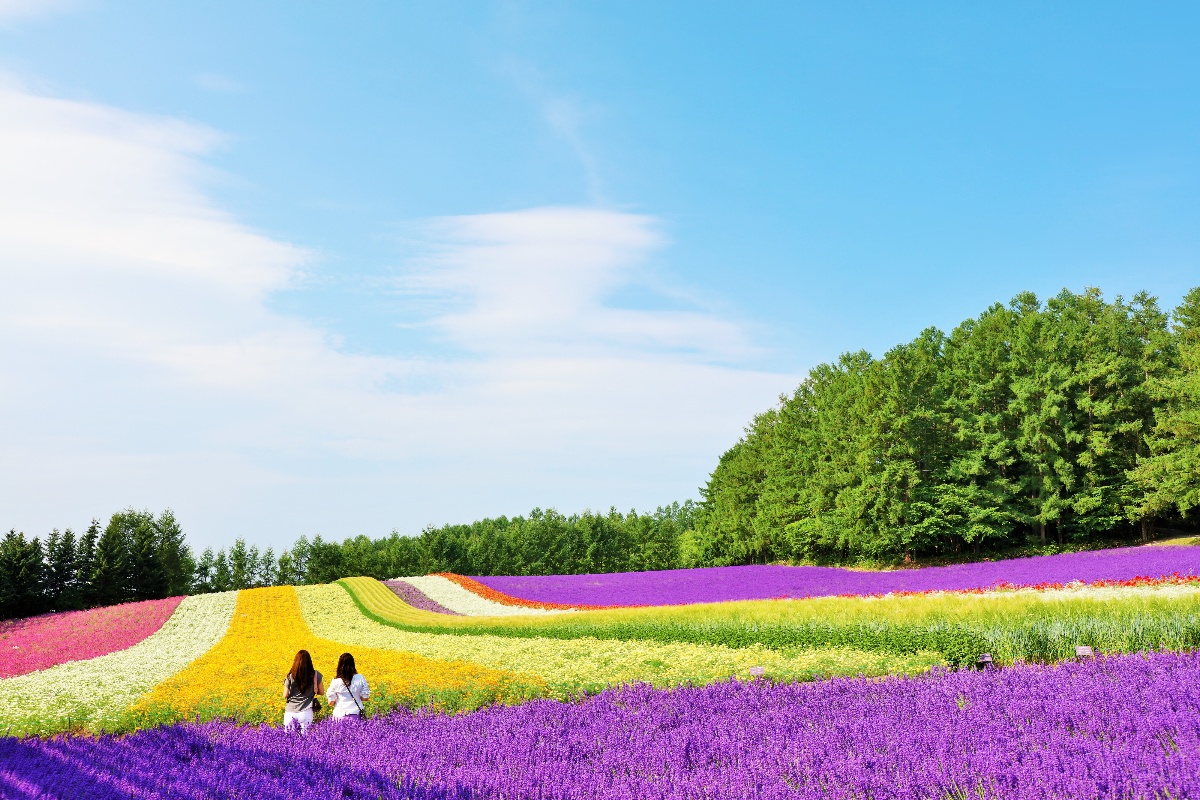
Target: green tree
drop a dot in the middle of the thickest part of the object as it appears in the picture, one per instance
(22, 576)
(1168, 476)
(61, 571)
(146, 573)
(203, 575)
(222, 579)
(174, 556)
(241, 570)
(86, 564)
(110, 566)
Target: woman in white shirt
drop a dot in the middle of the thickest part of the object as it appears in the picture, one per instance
(348, 690)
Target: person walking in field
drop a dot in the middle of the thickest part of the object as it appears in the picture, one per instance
(348, 690)
(300, 688)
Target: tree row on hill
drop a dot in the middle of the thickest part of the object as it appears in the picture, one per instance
(1075, 420)
(543, 543)
(137, 556)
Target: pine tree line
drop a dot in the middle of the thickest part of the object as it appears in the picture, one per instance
(137, 556)
(1071, 422)
(543, 543)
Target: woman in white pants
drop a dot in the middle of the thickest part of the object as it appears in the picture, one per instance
(300, 687)
(348, 690)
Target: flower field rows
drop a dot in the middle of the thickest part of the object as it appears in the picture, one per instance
(241, 677)
(571, 666)
(27, 645)
(452, 596)
(487, 592)
(720, 584)
(832, 696)
(1026, 625)
(415, 598)
(95, 694)
(1125, 726)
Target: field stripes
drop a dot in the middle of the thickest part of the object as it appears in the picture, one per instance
(94, 694)
(488, 593)
(28, 645)
(460, 600)
(588, 665)
(1011, 626)
(242, 676)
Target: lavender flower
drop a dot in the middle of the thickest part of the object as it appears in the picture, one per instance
(1126, 726)
(716, 584)
(416, 598)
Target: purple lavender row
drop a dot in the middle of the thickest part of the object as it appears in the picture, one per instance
(717, 584)
(416, 598)
(1126, 726)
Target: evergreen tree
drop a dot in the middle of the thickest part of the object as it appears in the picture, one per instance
(203, 580)
(222, 580)
(22, 577)
(174, 555)
(86, 565)
(240, 568)
(725, 529)
(62, 566)
(297, 562)
(110, 566)
(146, 573)
(268, 569)
(324, 563)
(1169, 475)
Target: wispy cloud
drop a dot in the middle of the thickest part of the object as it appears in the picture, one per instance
(566, 115)
(12, 10)
(141, 361)
(216, 82)
(539, 282)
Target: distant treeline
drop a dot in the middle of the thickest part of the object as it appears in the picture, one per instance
(1074, 421)
(544, 543)
(137, 556)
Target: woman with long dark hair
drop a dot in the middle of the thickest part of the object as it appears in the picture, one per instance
(300, 687)
(348, 690)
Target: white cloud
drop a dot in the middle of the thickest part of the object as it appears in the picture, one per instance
(537, 281)
(11, 10)
(140, 362)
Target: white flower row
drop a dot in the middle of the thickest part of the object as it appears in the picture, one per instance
(96, 692)
(449, 594)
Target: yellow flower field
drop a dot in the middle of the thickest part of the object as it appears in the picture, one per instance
(242, 676)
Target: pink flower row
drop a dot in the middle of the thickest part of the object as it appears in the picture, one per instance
(27, 645)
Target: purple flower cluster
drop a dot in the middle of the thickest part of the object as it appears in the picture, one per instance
(1126, 726)
(416, 598)
(717, 584)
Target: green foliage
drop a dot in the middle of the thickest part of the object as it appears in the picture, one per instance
(545, 542)
(1169, 476)
(1080, 417)
(22, 576)
(136, 557)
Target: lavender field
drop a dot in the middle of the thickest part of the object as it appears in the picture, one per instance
(1125, 726)
(718, 584)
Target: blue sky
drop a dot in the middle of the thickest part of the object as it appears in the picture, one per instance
(291, 268)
